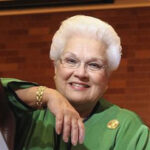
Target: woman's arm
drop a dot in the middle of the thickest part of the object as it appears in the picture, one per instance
(68, 120)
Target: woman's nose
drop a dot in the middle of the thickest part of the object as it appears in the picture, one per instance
(81, 72)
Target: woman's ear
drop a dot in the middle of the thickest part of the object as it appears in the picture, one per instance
(54, 77)
(55, 71)
(55, 67)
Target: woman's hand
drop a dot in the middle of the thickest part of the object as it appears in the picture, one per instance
(68, 120)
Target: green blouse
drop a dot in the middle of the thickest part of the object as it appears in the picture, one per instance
(108, 128)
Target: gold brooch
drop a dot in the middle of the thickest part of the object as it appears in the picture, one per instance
(113, 124)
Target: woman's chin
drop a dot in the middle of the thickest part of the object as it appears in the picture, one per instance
(77, 101)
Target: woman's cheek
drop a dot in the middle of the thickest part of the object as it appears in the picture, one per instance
(101, 81)
(66, 73)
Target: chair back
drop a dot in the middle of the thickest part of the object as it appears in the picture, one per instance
(7, 120)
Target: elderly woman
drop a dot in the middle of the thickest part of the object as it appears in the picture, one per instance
(85, 51)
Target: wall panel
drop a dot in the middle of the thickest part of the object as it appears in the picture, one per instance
(24, 52)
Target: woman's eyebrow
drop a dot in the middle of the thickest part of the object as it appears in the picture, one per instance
(100, 59)
(70, 54)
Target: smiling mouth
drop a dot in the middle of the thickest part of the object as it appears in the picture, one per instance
(79, 85)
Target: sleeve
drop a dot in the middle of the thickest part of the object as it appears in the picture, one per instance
(141, 139)
(132, 134)
(10, 85)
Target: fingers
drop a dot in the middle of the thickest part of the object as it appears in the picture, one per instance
(68, 120)
(70, 126)
(74, 131)
(73, 127)
(59, 123)
(66, 128)
(81, 131)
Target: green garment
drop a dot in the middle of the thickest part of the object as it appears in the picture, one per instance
(35, 128)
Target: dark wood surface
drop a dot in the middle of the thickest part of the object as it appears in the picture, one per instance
(25, 42)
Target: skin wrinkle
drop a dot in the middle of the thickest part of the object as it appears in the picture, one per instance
(83, 99)
(93, 28)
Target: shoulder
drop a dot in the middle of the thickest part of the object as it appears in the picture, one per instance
(14, 84)
(5, 81)
(128, 117)
(130, 124)
(125, 117)
(132, 132)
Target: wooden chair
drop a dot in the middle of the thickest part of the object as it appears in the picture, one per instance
(7, 120)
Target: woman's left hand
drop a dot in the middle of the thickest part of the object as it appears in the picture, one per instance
(68, 120)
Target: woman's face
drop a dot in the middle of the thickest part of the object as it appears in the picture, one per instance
(80, 74)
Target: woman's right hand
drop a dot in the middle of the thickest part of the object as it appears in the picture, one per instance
(68, 120)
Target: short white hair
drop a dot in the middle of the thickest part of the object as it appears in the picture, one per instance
(88, 26)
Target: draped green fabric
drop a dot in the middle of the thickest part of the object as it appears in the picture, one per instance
(36, 128)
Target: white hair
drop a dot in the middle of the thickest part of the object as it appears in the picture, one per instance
(88, 26)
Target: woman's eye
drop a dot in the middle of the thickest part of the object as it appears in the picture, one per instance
(95, 66)
(71, 61)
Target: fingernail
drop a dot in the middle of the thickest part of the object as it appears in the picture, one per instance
(81, 140)
(58, 132)
(66, 140)
(74, 143)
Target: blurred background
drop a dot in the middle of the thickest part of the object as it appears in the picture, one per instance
(26, 31)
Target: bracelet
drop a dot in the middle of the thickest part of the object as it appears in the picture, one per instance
(39, 96)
